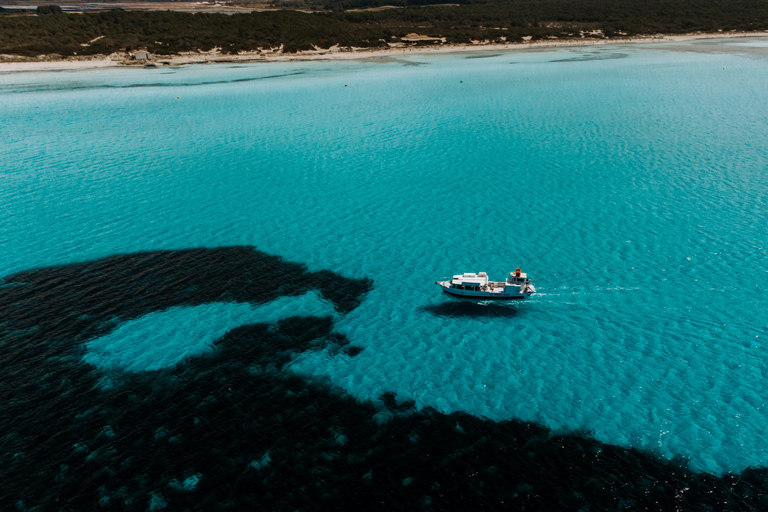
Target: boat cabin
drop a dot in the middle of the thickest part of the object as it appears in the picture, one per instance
(470, 281)
(517, 279)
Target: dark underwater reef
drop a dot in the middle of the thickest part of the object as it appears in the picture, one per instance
(234, 430)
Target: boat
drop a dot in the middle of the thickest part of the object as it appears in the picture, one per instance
(478, 286)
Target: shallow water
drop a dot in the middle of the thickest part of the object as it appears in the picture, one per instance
(628, 181)
(161, 339)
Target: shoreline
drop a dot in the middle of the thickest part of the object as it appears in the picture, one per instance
(15, 63)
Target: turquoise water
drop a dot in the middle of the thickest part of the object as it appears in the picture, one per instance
(628, 181)
(162, 339)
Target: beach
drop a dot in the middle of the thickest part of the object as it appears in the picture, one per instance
(12, 63)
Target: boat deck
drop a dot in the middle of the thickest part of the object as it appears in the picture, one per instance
(493, 287)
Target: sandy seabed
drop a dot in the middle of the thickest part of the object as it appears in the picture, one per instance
(10, 63)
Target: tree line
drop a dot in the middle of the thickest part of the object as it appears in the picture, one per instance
(52, 31)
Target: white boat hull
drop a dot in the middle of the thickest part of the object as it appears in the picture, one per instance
(496, 293)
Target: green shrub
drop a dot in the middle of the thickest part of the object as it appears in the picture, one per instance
(49, 9)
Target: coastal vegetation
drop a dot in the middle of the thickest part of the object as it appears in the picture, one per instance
(353, 23)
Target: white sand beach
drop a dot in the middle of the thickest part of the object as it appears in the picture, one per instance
(11, 63)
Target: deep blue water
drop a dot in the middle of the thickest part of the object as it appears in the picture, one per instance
(628, 181)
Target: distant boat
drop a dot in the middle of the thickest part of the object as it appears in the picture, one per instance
(478, 286)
